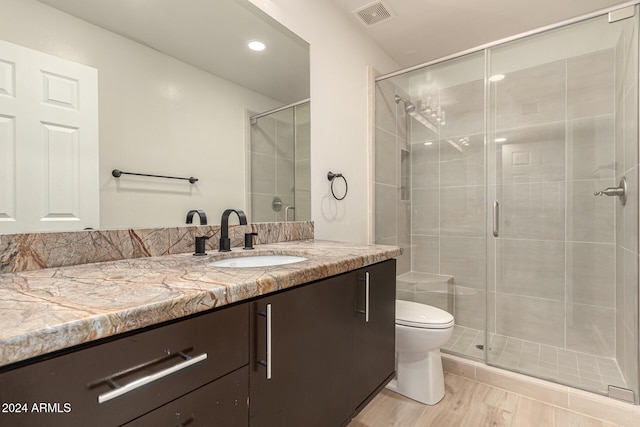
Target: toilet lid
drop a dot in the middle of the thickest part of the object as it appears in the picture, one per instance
(422, 316)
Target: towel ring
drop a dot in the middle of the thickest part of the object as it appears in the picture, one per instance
(331, 177)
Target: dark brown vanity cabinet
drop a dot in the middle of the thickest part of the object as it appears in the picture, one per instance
(188, 365)
(308, 356)
(319, 351)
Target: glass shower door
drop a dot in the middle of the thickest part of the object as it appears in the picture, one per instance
(562, 277)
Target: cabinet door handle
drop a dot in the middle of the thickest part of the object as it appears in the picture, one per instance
(267, 363)
(366, 296)
(269, 341)
(105, 397)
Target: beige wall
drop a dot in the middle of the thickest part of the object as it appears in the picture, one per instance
(157, 115)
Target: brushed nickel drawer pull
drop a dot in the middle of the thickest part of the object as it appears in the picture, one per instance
(367, 289)
(267, 363)
(269, 341)
(105, 397)
(366, 298)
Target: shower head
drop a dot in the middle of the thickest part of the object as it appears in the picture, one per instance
(408, 105)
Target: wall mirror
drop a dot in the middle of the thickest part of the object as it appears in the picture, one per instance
(176, 86)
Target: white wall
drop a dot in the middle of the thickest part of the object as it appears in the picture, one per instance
(340, 57)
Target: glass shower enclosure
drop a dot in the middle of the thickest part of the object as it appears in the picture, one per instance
(488, 168)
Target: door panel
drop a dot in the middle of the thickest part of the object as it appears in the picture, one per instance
(374, 334)
(556, 136)
(48, 142)
(311, 342)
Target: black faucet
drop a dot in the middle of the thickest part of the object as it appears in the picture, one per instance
(225, 242)
(201, 214)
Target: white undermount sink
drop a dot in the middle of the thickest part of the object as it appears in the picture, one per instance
(257, 261)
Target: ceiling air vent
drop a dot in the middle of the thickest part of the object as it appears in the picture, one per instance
(374, 13)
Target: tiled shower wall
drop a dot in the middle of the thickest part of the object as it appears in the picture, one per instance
(392, 204)
(448, 188)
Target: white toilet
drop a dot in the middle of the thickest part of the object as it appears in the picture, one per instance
(420, 332)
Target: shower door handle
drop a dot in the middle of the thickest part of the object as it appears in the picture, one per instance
(496, 219)
(286, 212)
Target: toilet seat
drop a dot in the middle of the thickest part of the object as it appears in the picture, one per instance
(422, 316)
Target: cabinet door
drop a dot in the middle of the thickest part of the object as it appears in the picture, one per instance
(311, 339)
(374, 350)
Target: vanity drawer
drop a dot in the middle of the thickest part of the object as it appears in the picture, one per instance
(150, 369)
(220, 403)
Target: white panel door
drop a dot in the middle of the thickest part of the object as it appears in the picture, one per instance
(48, 143)
(8, 113)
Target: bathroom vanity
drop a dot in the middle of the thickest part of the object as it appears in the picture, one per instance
(303, 344)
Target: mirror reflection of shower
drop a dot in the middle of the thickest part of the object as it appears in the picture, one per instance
(278, 164)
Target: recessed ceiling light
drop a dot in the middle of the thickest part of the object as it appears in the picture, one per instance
(256, 45)
(428, 143)
(496, 77)
(500, 139)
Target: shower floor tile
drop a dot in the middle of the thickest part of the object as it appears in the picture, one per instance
(544, 361)
(465, 341)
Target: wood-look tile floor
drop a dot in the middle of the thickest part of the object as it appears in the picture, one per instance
(468, 403)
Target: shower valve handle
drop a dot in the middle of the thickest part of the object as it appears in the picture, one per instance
(611, 191)
(620, 191)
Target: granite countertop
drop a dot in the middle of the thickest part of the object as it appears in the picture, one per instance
(55, 308)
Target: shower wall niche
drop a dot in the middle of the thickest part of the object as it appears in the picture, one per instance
(507, 147)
